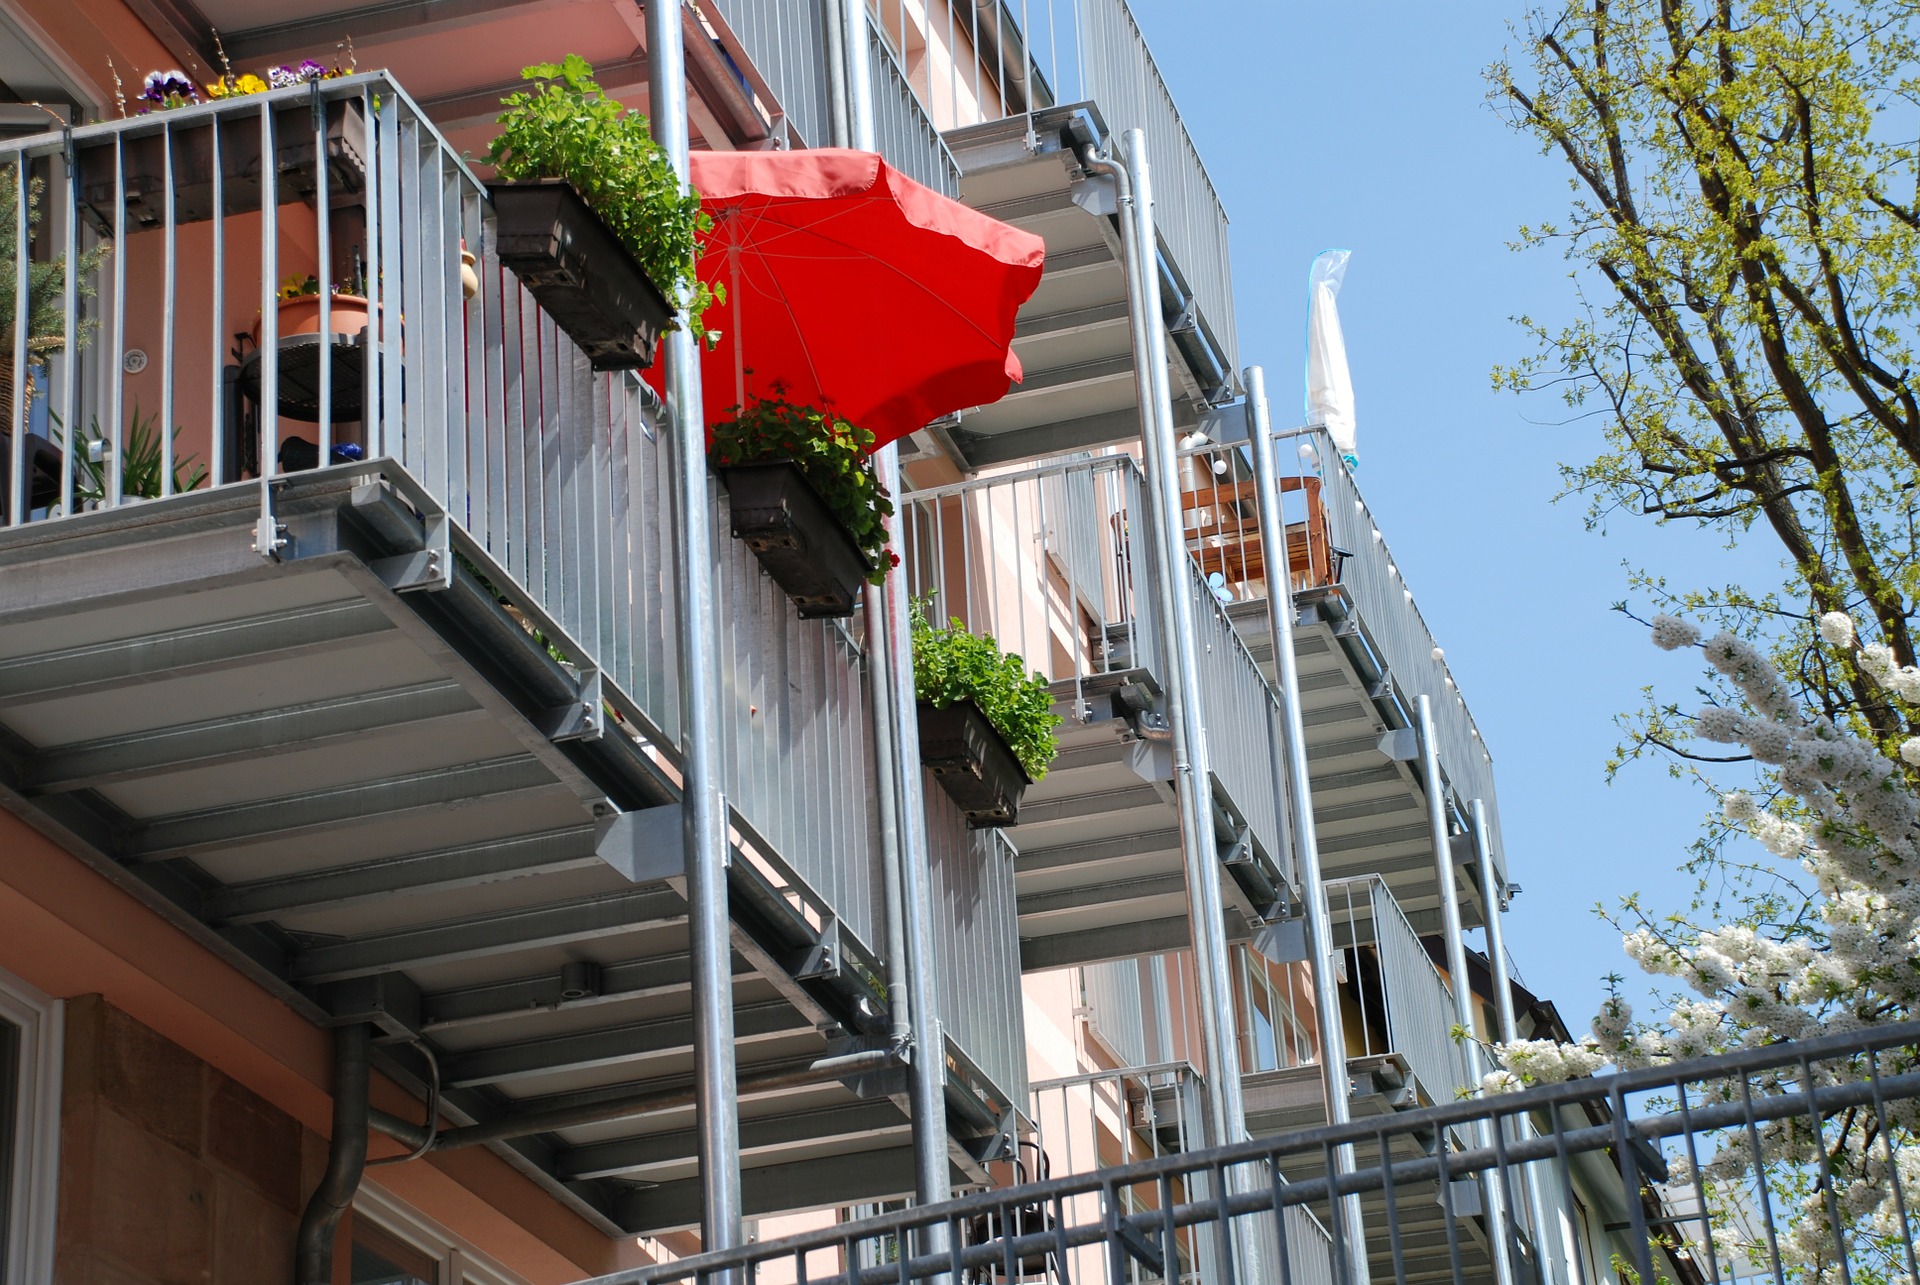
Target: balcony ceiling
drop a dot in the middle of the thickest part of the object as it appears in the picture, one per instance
(357, 794)
(1072, 336)
(457, 58)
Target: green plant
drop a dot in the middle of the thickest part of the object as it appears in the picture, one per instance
(569, 129)
(140, 460)
(832, 455)
(46, 282)
(952, 665)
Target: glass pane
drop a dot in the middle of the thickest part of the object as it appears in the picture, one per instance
(9, 1113)
(381, 1259)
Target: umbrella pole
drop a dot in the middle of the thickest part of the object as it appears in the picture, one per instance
(705, 830)
(894, 702)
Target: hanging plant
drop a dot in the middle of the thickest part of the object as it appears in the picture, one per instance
(569, 129)
(951, 665)
(831, 453)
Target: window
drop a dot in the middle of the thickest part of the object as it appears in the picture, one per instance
(30, 1030)
(392, 1245)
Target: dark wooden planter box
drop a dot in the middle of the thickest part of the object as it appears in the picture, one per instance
(796, 537)
(144, 158)
(973, 763)
(579, 272)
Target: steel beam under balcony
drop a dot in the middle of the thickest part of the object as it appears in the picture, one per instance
(442, 870)
(1073, 321)
(1093, 945)
(502, 1002)
(184, 653)
(1082, 374)
(767, 1134)
(501, 934)
(1101, 803)
(1106, 893)
(1082, 433)
(397, 20)
(1097, 851)
(241, 824)
(449, 112)
(613, 1046)
(802, 1184)
(1370, 809)
(237, 738)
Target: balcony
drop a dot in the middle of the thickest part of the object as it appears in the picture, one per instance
(400, 736)
(1365, 657)
(1051, 560)
(1081, 73)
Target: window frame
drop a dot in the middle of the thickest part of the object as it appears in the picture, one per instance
(455, 1261)
(34, 1190)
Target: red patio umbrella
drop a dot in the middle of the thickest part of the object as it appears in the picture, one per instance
(853, 287)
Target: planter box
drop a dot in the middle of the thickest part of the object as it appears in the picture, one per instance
(144, 161)
(972, 763)
(579, 272)
(796, 537)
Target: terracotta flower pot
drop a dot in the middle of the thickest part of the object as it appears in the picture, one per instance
(301, 316)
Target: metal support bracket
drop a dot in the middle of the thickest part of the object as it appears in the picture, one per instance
(582, 719)
(820, 961)
(390, 1002)
(269, 533)
(429, 568)
(990, 1148)
(1240, 851)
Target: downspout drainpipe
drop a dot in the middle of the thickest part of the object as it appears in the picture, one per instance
(1185, 714)
(346, 1158)
(1213, 981)
(1457, 976)
(894, 704)
(1494, 890)
(709, 935)
(1349, 1231)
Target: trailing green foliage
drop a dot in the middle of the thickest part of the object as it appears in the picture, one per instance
(569, 129)
(141, 464)
(952, 665)
(46, 279)
(832, 454)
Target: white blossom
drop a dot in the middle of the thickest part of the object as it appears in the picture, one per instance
(1836, 627)
(1718, 723)
(1670, 633)
(1910, 750)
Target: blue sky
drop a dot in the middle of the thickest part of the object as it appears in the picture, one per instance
(1365, 126)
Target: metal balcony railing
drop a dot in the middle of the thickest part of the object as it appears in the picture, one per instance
(790, 46)
(1332, 540)
(549, 479)
(970, 63)
(1052, 561)
(1621, 1167)
(1400, 1004)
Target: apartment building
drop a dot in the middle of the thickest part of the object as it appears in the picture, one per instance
(354, 848)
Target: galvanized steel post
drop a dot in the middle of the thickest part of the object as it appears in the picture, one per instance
(1458, 981)
(1494, 889)
(896, 724)
(705, 833)
(1192, 780)
(1306, 844)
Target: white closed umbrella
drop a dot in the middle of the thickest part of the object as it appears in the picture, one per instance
(1329, 383)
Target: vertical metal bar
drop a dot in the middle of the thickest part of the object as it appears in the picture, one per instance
(1306, 842)
(1629, 1163)
(1177, 628)
(323, 256)
(168, 281)
(894, 701)
(1823, 1174)
(266, 539)
(1457, 966)
(70, 325)
(116, 374)
(705, 834)
(1494, 890)
(19, 489)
